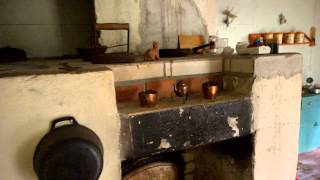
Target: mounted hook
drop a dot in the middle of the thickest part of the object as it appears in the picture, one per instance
(282, 19)
(229, 16)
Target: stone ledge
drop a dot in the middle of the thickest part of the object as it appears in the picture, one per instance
(195, 67)
(284, 65)
(48, 66)
(133, 72)
(167, 68)
(258, 65)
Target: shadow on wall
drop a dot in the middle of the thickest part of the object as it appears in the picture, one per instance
(77, 18)
(46, 28)
(164, 20)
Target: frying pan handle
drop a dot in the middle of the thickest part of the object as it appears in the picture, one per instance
(201, 47)
(66, 118)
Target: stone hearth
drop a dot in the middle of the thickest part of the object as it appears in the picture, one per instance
(260, 102)
(177, 128)
(261, 98)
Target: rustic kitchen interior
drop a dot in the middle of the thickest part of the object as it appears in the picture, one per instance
(159, 89)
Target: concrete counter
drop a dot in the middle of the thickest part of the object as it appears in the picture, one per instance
(35, 92)
(270, 111)
(31, 98)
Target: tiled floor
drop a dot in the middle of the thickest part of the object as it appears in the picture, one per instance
(309, 165)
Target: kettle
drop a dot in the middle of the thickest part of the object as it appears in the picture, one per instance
(181, 90)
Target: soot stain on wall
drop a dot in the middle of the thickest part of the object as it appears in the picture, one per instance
(164, 20)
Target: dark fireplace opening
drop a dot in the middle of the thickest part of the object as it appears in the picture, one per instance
(229, 159)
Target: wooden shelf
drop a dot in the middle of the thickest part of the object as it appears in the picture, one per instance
(286, 44)
(310, 40)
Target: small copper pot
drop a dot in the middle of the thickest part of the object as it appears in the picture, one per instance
(210, 89)
(148, 98)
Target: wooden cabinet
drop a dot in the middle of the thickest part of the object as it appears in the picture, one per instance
(310, 123)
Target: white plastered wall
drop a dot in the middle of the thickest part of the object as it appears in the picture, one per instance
(253, 16)
(29, 103)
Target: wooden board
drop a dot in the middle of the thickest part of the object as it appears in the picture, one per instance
(112, 26)
(190, 41)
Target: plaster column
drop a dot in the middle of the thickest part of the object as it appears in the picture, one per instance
(276, 99)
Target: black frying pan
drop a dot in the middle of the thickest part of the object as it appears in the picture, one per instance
(181, 52)
(71, 151)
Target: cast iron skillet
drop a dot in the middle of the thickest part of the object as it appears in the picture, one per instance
(68, 152)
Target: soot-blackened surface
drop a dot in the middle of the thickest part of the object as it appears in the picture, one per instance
(188, 127)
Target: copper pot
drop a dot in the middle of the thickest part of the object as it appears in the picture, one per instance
(210, 89)
(148, 98)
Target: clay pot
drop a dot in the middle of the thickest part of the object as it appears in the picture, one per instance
(299, 38)
(289, 38)
(278, 38)
(268, 38)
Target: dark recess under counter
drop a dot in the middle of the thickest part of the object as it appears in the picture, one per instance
(176, 128)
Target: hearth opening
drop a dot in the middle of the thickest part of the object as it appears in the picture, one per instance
(227, 159)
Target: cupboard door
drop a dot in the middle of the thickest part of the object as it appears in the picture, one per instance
(310, 124)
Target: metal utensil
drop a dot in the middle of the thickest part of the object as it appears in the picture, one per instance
(210, 89)
(181, 90)
(314, 90)
(148, 98)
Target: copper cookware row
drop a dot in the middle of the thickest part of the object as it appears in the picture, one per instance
(148, 98)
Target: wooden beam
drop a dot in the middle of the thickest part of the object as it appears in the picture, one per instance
(112, 26)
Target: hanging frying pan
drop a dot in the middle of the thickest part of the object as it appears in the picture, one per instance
(68, 152)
